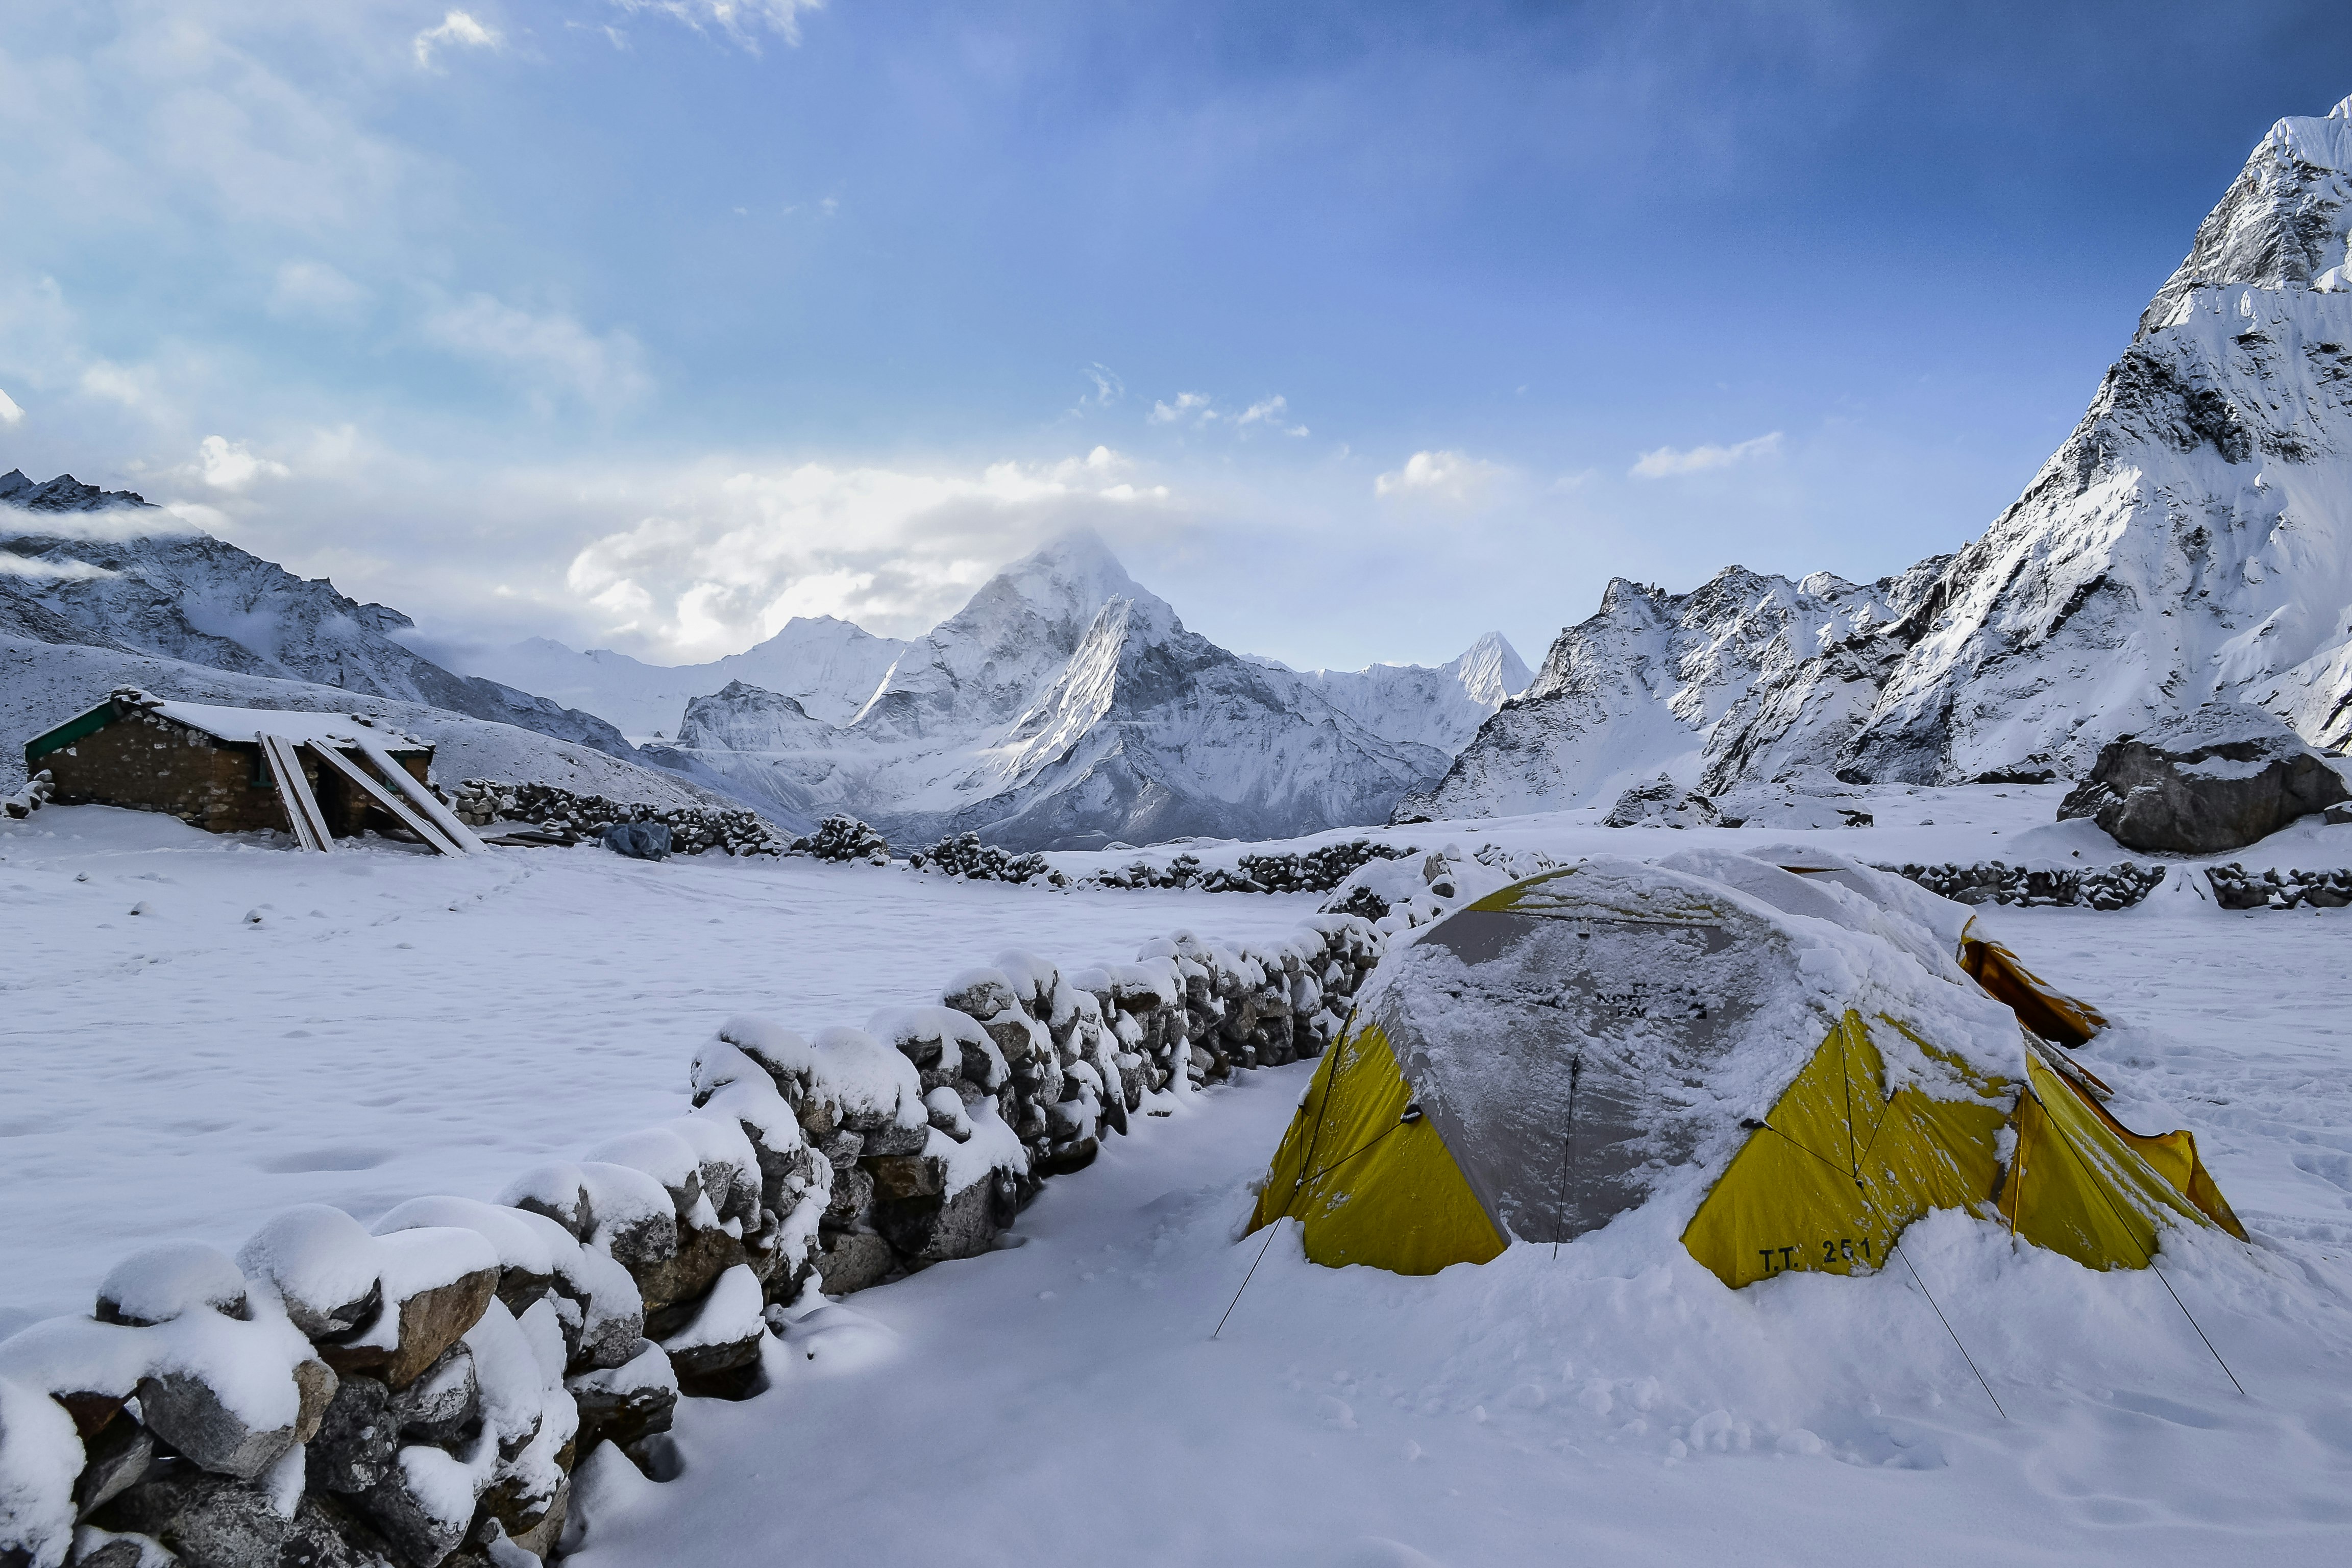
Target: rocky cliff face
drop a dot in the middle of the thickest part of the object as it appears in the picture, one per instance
(1065, 706)
(2190, 541)
(79, 565)
(1642, 686)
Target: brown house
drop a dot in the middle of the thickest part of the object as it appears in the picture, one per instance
(318, 776)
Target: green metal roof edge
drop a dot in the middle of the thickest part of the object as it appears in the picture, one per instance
(72, 730)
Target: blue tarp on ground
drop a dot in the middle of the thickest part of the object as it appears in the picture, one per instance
(638, 840)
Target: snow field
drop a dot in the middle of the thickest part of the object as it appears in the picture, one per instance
(1061, 1398)
(395, 1024)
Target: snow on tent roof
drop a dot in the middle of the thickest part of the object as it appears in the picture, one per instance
(1684, 1004)
(338, 729)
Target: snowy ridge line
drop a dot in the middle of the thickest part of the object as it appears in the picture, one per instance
(423, 1393)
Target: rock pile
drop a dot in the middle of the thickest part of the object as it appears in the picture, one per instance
(32, 798)
(2235, 887)
(965, 856)
(2117, 887)
(423, 1392)
(692, 828)
(845, 839)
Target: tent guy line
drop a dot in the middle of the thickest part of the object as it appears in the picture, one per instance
(2068, 1145)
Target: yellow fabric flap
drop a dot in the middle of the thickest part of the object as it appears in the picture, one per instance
(1366, 1185)
(1839, 1168)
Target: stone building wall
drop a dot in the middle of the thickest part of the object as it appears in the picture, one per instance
(146, 761)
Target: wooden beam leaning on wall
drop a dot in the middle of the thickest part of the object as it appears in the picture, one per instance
(303, 817)
(440, 842)
(428, 805)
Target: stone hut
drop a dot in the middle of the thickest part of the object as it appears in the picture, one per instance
(318, 776)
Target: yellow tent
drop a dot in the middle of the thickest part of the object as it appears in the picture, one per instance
(1796, 1024)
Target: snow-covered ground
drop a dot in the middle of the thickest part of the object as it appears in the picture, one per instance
(396, 1024)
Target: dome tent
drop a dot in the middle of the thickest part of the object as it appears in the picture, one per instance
(1782, 1043)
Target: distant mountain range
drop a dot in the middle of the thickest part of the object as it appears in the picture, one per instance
(2191, 540)
(1063, 705)
(1067, 706)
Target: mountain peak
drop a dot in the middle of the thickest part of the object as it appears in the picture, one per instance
(64, 493)
(1073, 571)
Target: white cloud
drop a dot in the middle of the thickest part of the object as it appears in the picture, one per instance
(1109, 388)
(1198, 410)
(730, 557)
(9, 413)
(13, 565)
(1189, 405)
(228, 465)
(312, 290)
(551, 352)
(741, 20)
(133, 386)
(1666, 462)
(1272, 412)
(457, 29)
(1439, 475)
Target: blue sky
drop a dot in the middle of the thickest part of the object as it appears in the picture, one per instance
(1356, 329)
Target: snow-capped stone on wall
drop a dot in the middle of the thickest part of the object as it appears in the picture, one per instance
(1428, 705)
(166, 589)
(1041, 720)
(1638, 689)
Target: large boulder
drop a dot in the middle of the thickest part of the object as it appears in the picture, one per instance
(2207, 781)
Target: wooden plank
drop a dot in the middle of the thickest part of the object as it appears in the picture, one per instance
(428, 805)
(329, 757)
(302, 814)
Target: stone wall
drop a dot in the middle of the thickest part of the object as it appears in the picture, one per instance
(2117, 887)
(693, 829)
(2235, 887)
(421, 1392)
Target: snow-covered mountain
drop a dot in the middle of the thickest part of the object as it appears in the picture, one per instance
(1640, 687)
(2191, 541)
(1429, 705)
(1067, 706)
(831, 668)
(82, 566)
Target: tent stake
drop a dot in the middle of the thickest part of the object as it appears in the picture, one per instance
(1567, 1150)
